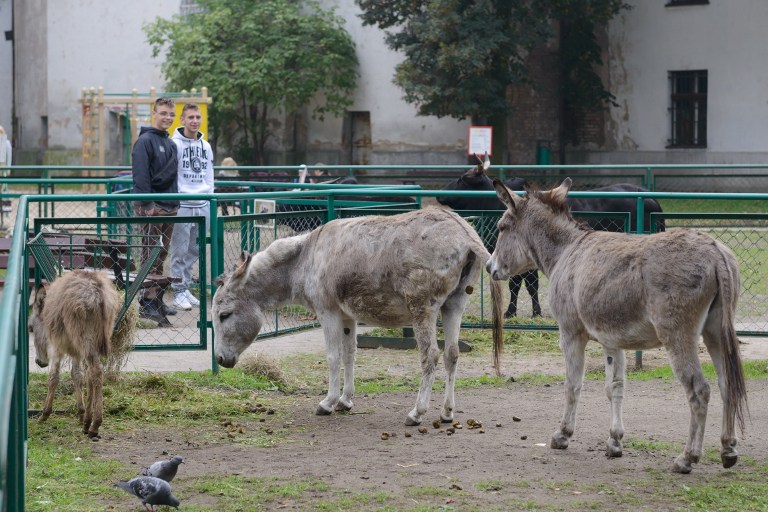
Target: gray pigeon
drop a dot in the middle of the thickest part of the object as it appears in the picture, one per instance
(164, 469)
(151, 491)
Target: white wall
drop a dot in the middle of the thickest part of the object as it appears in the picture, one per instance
(97, 44)
(728, 39)
(6, 64)
(394, 124)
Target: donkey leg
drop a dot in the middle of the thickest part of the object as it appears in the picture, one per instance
(349, 347)
(53, 382)
(425, 331)
(728, 453)
(77, 382)
(451, 314)
(332, 330)
(95, 397)
(685, 363)
(615, 367)
(573, 346)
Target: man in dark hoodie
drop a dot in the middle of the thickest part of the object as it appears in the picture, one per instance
(155, 167)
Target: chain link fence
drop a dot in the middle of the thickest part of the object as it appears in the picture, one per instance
(272, 219)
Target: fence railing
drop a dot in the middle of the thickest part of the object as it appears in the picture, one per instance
(746, 234)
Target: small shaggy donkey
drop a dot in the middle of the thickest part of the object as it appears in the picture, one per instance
(75, 316)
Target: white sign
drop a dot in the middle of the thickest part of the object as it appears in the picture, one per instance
(480, 140)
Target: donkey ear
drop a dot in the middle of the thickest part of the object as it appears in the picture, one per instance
(38, 298)
(506, 196)
(486, 162)
(242, 268)
(560, 193)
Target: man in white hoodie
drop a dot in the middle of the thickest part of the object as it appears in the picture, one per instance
(195, 177)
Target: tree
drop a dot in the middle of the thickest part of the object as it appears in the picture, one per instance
(462, 55)
(258, 59)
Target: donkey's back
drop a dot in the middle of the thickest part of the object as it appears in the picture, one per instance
(638, 291)
(381, 269)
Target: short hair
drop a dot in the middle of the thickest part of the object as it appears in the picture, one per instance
(164, 100)
(189, 106)
(229, 162)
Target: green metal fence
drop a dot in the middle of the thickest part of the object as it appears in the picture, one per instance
(107, 214)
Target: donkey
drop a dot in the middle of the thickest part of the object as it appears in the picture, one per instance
(477, 179)
(631, 292)
(74, 316)
(389, 271)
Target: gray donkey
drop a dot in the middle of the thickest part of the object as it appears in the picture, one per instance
(630, 292)
(382, 270)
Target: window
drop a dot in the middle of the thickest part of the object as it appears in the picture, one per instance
(675, 3)
(688, 109)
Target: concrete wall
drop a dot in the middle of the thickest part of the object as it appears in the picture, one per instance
(727, 39)
(62, 47)
(6, 63)
(398, 135)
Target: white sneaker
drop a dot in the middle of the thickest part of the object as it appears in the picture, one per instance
(191, 298)
(180, 301)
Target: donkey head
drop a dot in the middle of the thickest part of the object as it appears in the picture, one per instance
(237, 319)
(513, 254)
(36, 327)
(474, 179)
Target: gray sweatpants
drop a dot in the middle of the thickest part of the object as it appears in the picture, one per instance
(184, 249)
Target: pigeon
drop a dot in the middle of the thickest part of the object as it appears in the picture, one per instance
(151, 491)
(163, 469)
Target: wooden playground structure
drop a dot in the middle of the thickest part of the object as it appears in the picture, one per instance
(133, 110)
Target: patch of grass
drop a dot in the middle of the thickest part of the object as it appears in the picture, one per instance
(491, 485)
(539, 379)
(753, 369)
(712, 205)
(649, 445)
(729, 490)
(60, 455)
(177, 399)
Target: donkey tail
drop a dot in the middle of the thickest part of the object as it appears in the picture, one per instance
(498, 323)
(728, 284)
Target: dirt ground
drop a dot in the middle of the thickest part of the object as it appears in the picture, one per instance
(506, 466)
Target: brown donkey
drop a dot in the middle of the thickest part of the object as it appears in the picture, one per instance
(74, 316)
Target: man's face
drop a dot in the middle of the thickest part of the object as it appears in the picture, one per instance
(163, 117)
(191, 120)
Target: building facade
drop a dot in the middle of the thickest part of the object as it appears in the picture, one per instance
(688, 77)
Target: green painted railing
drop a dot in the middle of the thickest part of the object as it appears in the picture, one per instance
(13, 310)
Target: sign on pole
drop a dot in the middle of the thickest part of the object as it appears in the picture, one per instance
(480, 140)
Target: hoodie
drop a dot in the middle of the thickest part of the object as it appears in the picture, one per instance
(154, 166)
(195, 175)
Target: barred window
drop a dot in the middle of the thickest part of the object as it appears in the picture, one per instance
(674, 3)
(688, 109)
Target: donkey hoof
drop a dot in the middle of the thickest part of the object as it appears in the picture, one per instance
(614, 452)
(411, 422)
(322, 411)
(682, 465)
(342, 407)
(446, 419)
(729, 459)
(559, 442)
(94, 437)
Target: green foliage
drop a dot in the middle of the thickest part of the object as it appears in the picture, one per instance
(258, 59)
(461, 55)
